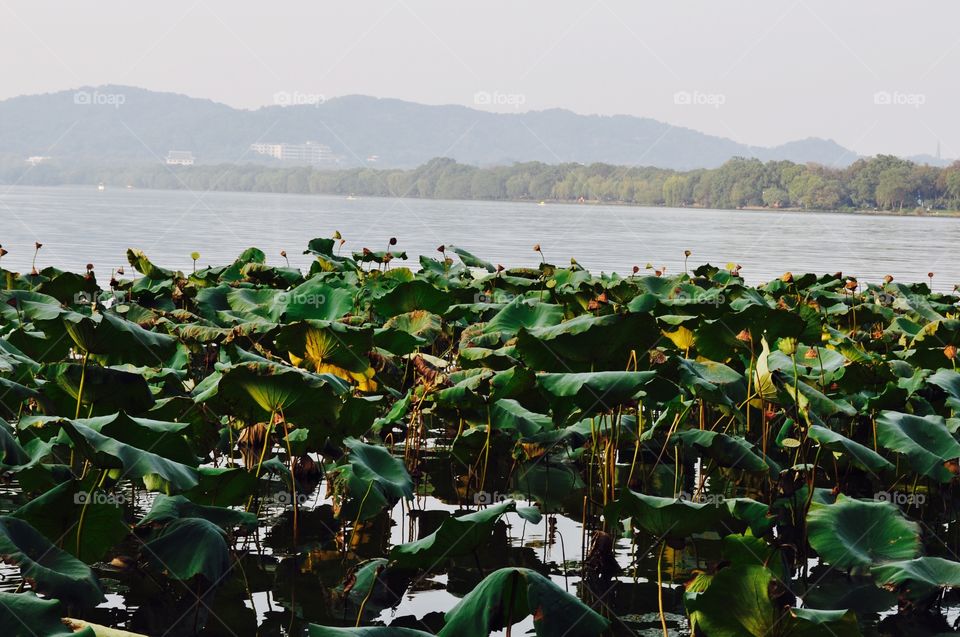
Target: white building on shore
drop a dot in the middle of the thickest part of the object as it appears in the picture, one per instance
(308, 153)
(180, 158)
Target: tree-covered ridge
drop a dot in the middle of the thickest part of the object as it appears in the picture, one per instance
(884, 182)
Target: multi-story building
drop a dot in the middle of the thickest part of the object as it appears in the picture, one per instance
(309, 153)
(180, 158)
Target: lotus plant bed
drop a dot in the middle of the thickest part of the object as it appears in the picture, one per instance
(460, 448)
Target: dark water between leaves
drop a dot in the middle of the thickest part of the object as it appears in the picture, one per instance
(277, 587)
(79, 225)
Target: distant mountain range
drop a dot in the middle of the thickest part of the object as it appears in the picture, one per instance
(121, 123)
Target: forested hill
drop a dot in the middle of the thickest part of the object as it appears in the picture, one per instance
(111, 123)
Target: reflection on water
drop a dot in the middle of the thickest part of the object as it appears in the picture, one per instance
(78, 225)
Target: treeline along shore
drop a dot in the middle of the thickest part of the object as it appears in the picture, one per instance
(881, 183)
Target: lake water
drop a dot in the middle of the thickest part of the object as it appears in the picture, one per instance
(79, 225)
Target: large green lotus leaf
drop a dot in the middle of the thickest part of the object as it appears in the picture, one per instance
(50, 570)
(223, 486)
(681, 518)
(595, 391)
(44, 347)
(107, 453)
(813, 363)
(19, 306)
(588, 343)
(117, 340)
(269, 275)
(57, 512)
(396, 341)
(410, 296)
(812, 400)
(166, 509)
(725, 450)
(321, 346)
(254, 304)
(714, 340)
(508, 414)
(764, 321)
(499, 359)
(255, 390)
(397, 413)
(523, 313)
(479, 387)
(918, 578)
(167, 439)
(328, 261)
(12, 454)
(26, 615)
(189, 547)
(420, 324)
(713, 381)
(862, 456)
(315, 300)
(457, 535)
(470, 260)
(369, 479)
(852, 534)
(314, 630)
(550, 484)
(736, 603)
(106, 389)
(949, 381)
(14, 364)
(834, 589)
(488, 607)
(235, 271)
(924, 440)
(144, 266)
(12, 396)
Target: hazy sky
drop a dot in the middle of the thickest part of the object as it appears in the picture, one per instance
(875, 75)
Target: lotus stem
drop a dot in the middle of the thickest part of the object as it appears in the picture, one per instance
(486, 451)
(293, 480)
(263, 452)
(356, 521)
(636, 447)
(663, 618)
(266, 443)
(363, 604)
(83, 511)
(83, 378)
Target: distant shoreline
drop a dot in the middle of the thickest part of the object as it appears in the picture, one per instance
(866, 212)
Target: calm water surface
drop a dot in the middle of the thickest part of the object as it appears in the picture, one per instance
(79, 225)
